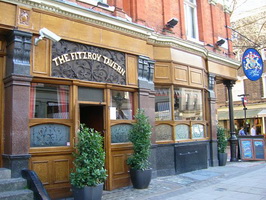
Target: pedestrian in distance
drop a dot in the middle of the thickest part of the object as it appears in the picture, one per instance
(253, 130)
(241, 131)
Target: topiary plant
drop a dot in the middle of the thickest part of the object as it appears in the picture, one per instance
(89, 159)
(140, 136)
(221, 139)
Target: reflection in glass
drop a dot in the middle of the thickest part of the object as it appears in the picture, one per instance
(121, 105)
(49, 101)
(187, 104)
(162, 104)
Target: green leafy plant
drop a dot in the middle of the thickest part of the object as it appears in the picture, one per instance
(140, 136)
(221, 139)
(89, 159)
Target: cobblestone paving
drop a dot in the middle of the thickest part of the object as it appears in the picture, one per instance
(162, 188)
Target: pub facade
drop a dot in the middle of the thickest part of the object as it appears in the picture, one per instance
(104, 67)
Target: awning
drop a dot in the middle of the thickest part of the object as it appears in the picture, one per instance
(239, 114)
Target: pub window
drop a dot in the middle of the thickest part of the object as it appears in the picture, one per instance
(189, 106)
(49, 101)
(162, 104)
(191, 20)
(122, 105)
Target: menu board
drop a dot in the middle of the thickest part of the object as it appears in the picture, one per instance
(258, 149)
(252, 149)
(246, 146)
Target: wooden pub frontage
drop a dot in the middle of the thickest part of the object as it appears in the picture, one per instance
(101, 71)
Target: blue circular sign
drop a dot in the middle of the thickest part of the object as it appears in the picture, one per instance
(252, 64)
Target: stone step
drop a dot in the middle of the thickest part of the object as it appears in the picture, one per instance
(17, 195)
(5, 173)
(12, 184)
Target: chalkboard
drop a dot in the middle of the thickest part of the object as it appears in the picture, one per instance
(246, 148)
(259, 149)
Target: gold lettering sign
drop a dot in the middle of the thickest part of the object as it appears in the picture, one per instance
(88, 56)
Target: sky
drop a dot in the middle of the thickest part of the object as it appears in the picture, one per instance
(248, 7)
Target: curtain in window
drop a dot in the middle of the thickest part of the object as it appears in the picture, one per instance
(32, 100)
(62, 94)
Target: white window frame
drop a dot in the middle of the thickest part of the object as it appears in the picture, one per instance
(238, 89)
(264, 84)
(191, 20)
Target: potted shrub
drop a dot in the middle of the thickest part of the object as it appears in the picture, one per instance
(89, 173)
(139, 135)
(222, 144)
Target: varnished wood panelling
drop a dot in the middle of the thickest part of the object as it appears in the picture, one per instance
(196, 77)
(123, 42)
(41, 58)
(120, 172)
(187, 58)
(61, 170)
(8, 14)
(42, 169)
(71, 29)
(53, 171)
(222, 70)
(132, 66)
(162, 73)
(119, 167)
(181, 74)
(162, 53)
(24, 17)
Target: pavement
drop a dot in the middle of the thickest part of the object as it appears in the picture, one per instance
(236, 180)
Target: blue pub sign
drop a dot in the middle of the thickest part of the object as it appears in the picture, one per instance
(252, 64)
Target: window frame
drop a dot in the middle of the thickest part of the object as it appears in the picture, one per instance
(192, 19)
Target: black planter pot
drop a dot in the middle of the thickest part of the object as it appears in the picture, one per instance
(88, 193)
(140, 178)
(222, 157)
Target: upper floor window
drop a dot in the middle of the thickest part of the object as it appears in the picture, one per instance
(191, 21)
(49, 101)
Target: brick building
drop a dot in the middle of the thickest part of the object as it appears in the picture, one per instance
(106, 59)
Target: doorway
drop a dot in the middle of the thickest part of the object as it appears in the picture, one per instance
(92, 116)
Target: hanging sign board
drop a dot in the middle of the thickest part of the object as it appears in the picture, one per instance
(252, 64)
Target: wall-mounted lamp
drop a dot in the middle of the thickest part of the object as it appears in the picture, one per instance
(172, 23)
(220, 42)
(45, 33)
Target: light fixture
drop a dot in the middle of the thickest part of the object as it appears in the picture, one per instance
(220, 42)
(101, 4)
(171, 23)
(45, 33)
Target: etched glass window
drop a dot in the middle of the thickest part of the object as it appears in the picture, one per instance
(48, 135)
(163, 132)
(188, 104)
(182, 132)
(162, 104)
(197, 131)
(49, 101)
(120, 132)
(122, 105)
